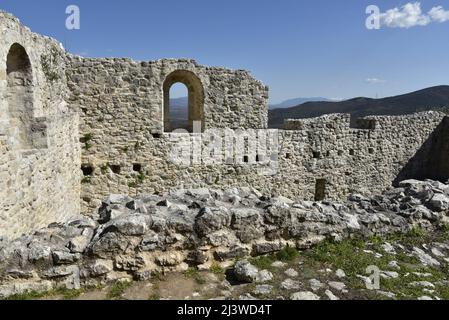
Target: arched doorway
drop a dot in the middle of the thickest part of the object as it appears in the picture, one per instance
(20, 96)
(195, 99)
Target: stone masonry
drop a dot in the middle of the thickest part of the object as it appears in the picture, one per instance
(74, 130)
(39, 149)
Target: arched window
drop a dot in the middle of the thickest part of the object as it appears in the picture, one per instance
(20, 96)
(195, 101)
(179, 106)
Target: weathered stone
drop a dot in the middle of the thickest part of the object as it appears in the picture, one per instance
(231, 253)
(39, 253)
(212, 219)
(304, 296)
(291, 273)
(248, 224)
(340, 274)
(109, 245)
(97, 268)
(339, 286)
(197, 257)
(65, 257)
(80, 243)
(8, 290)
(246, 272)
(315, 285)
(425, 258)
(126, 263)
(137, 206)
(290, 284)
(331, 295)
(169, 259)
(263, 290)
(439, 202)
(267, 247)
(131, 225)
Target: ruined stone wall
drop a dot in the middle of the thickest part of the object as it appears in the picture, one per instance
(121, 104)
(39, 149)
(121, 95)
(317, 159)
(366, 159)
(125, 149)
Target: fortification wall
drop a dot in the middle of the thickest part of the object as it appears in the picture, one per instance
(39, 148)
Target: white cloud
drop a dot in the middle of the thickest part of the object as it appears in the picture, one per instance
(412, 15)
(438, 14)
(407, 16)
(374, 81)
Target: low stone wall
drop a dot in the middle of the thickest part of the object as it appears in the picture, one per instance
(199, 227)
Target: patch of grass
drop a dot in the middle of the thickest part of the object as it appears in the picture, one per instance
(413, 237)
(200, 280)
(86, 180)
(193, 273)
(28, 295)
(287, 254)
(141, 177)
(156, 276)
(263, 262)
(348, 255)
(402, 288)
(216, 268)
(445, 232)
(66, 294)
(118, 289)
(154, 297)
(86, 139)
(69, 294)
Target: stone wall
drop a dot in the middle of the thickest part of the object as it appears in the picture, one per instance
(322, 159)
(354, 159)
(137, 239)
(39, 149)
(125, 149)
(121, 95)
(125, 144)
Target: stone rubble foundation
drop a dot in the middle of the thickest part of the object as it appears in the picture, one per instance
(135, 238)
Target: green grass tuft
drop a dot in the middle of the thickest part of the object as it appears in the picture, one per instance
(118, 289)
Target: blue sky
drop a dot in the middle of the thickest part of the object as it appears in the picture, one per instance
(299, 48)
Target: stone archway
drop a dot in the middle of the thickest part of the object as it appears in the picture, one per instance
(19, 96)
(195, 99)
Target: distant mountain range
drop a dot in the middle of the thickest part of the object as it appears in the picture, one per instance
(182, 103)
(427, 99)
(295, 102)
(300, 108)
